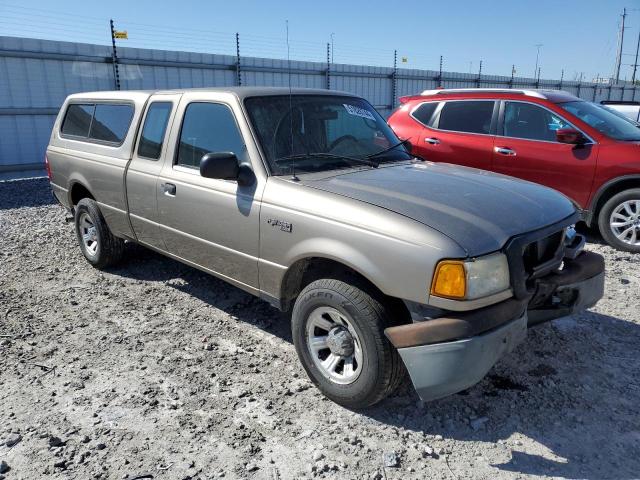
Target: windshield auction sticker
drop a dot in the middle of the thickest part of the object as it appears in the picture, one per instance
(358, 112)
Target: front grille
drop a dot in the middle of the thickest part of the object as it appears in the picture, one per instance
(540, 252)
(535, 254)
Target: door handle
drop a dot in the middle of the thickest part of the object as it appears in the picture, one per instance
(505, 151)
(432, 141)
(169, 189)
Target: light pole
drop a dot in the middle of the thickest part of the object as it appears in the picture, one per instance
(537, 45)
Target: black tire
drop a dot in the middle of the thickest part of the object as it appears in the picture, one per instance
(605, 214)
(382, 369)
(109, 249)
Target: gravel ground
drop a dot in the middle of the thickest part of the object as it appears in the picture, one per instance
(155, 370)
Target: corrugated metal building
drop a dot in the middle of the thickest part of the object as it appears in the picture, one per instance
(37, 75)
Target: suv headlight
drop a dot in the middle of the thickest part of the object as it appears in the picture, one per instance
(471, 279)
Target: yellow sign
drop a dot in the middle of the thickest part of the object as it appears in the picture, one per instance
(122, 35)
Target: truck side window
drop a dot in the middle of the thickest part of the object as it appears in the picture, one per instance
(155, 126)
(111, 122)
(77, 120)
(206, 128)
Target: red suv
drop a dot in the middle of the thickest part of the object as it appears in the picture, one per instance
(582, 149)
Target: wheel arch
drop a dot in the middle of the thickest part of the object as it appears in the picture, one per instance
(608, 190)
(77, 191)
(309, 269)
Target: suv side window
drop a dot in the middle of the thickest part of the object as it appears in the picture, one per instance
(424, 112)
(155, 126)
(206, 128)
(467, 116)
(528, 121)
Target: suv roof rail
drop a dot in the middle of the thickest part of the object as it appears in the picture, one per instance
(529, 93)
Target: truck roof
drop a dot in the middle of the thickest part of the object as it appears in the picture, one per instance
(240, 92)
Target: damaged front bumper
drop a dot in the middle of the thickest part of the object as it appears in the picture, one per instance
(449, 354)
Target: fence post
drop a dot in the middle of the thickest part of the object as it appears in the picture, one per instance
(114, 56)
(633, 94)
(328, 66)
(609, 92)
(238, 72)
(579, 82)
(440, 74)
(538, 79)
(622, 92)
(479, 75)
(513, 72)
(394, 79)
(595, 92)
(561, 78)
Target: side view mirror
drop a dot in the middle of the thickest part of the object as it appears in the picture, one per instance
(225, 166)
(571, 136)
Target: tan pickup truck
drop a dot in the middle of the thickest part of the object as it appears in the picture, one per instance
(308, 200)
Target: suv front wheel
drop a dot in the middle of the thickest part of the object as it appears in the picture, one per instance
(338, 332)
(619, 221)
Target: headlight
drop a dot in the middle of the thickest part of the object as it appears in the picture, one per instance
(471, 279)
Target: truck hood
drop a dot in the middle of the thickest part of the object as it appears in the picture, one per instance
(477, 209)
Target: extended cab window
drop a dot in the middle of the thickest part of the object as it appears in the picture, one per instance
(155, 126)
(208, 128)
(524, 120)
(104, 122)
(467, 116)
(424, 112)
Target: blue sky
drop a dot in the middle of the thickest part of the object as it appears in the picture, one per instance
(579, 36)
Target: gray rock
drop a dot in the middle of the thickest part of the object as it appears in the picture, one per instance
(55, 442)
(391, 459)
(12, 439)
(317, 456)
(4, 467)
(251, 467)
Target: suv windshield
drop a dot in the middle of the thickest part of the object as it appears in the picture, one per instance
(321, 132)
(603, 120)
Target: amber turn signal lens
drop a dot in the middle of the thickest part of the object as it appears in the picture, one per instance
(449, 280)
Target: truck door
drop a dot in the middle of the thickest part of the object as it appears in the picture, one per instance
(145, 166)
(209, 222)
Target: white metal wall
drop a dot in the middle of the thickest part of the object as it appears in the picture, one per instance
(37, 75)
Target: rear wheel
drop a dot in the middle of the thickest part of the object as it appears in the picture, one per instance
(98, 245)
(338, 332)
(619, 221)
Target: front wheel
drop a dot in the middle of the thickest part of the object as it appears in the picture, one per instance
(619, 221)
(338, 332)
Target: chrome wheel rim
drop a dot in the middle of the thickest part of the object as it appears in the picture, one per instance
(625, 222)
(89, 234)
(334, 345)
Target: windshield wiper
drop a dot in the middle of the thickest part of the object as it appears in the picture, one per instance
(301, 156)
(396, 145)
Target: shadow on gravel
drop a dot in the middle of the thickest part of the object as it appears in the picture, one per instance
(586, 427)
(587, 416)
(144, 264)
(25, 193)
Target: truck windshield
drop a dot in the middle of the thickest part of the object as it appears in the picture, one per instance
(321, 132)
(603, 120)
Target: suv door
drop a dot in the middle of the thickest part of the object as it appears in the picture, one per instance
(460, 132)
(527, 148)
(211, 223)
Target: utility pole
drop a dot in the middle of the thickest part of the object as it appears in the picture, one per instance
(635, 63)
(620, 44)
(537, 45)
(114, 56)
